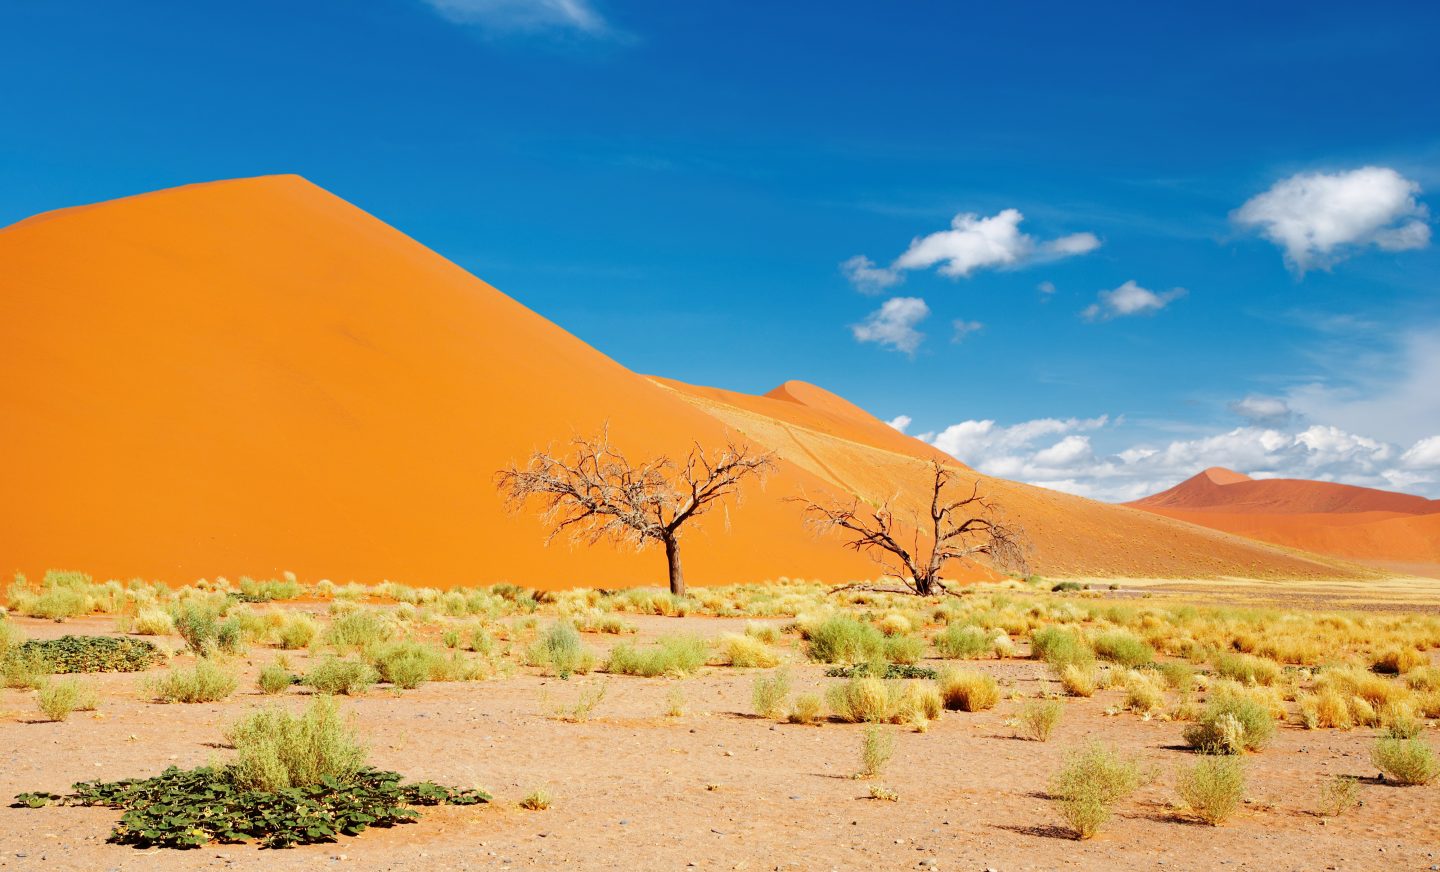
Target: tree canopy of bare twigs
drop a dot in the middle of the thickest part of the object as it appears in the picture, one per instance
(962, 524)
(595, 493)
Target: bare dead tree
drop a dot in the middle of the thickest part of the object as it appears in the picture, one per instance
(960, 525)
(596, 493)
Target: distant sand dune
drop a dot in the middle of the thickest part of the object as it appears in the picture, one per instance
(1389, 530)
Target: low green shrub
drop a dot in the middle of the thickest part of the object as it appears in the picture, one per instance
(57, 699)
(1123, 648)
(1178, 675)
(230, 636)
(62, 595)
(877, 746)
(199, 625)
(889, 671)
(24, 668)
(191, 808)
(767, 633)
(961, 642)
(10, 635)
(579, 711)
(337, 675)
(92, 653)
(1247, 668)
(560, 652)
(770, 692)
(275, 749)
(203, 682)
(1230, 725)
(296, 631)
(1060, 648)
(842, 639)
(1039, 718)
(1405, 761)
(1339, 794)
(269, 590)
(408, 664)
(359, 630)
(275, 678)
(904, 650)
(675, 656)
(1090, 784)
(1214, 788)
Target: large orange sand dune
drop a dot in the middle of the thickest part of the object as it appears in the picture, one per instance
(250, 376)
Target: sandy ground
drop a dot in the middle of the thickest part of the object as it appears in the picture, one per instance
(1399, 594)
(714, 789)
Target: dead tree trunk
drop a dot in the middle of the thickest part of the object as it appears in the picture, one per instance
(672, 561)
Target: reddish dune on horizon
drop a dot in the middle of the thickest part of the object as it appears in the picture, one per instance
(251, 376)
(1382, 528)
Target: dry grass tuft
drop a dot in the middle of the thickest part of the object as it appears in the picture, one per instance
(769, 693)
(1339, 794)
(1405, 761)
(1039, 719)
(877, 746)
(1214, 788)
(746, 652)
(1090, 784)
(59, 698)
(968, 691)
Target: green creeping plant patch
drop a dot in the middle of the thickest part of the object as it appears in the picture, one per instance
(190, 808)
(889, 670)
(93, 653)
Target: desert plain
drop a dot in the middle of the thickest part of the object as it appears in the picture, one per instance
(680, 770)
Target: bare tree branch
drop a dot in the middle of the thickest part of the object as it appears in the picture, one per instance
(959, 527)
(595, 493)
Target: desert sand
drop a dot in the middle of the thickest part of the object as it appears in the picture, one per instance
(715, 788)
(253, 376)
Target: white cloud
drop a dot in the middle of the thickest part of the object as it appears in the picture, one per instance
(972, 243)
(1320, 219)
(866, 276)
(1129, 299)
(1046, 288)
(1424, 454)
(900, 422)
(523, 15)
(964, 328)
(893, 324)
(1031, 452)
(985, 439)
(1263, 410)
(1067, 452)
(1391, 394)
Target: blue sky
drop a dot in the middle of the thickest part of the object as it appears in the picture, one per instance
(706, 168)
